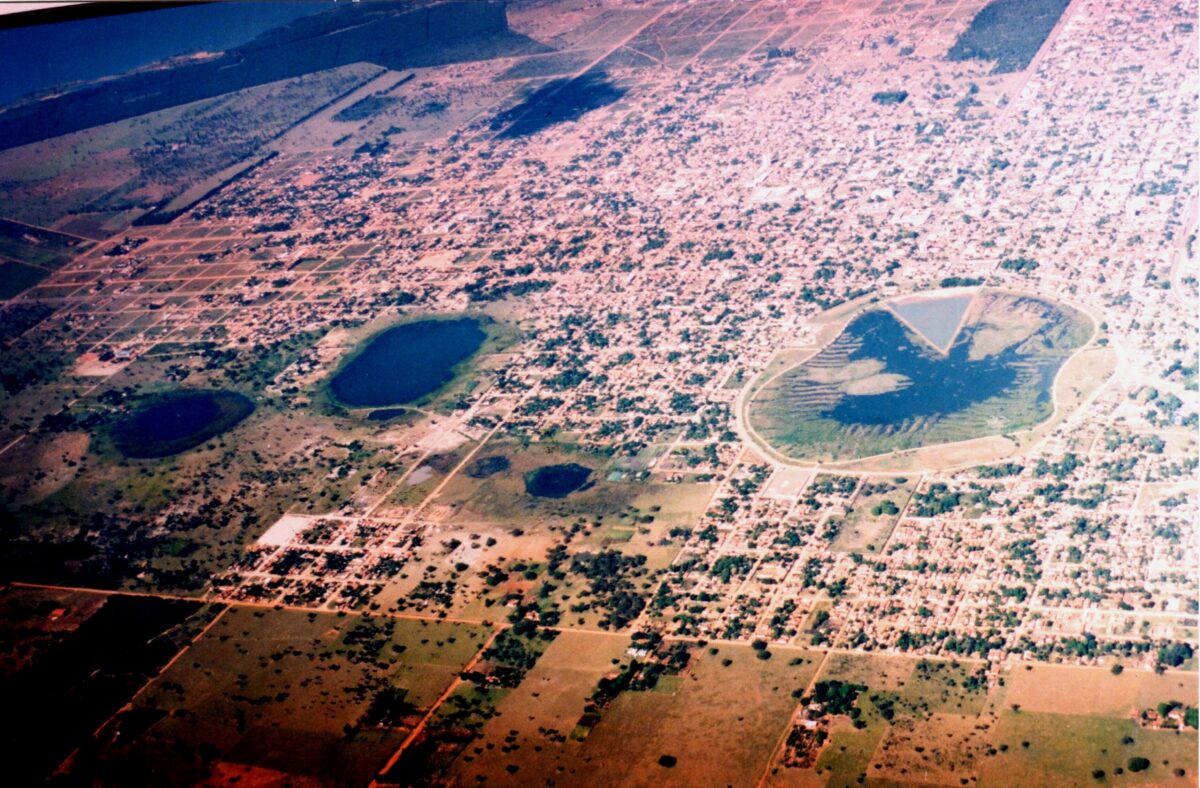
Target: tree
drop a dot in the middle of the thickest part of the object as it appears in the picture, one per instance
(884, 507)
(1175, 654)
(1138, 764)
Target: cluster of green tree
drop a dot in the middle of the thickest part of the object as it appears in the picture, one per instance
(938, 499)
(727, 566)
(963, 645)
(365, 108)
(514, 651)
(884, 508)
(1059, 470)
(567, 379)
(886, 97)
(837, 697)
(1075, 647)
(999, 471)
(272, 227)
(1019, 265)
(609, 574)
(828, 485)
(395, 298)
(388, 708)
(1174, 655)
(439, 592)
(780, 622)
(717, 254)
(536, 405)
(481, 291)
(961, 281)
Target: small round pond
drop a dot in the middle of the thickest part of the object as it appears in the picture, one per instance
(557, 481)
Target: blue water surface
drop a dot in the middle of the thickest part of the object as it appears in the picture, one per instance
(87, 49)
(408, 362)
(939, 385)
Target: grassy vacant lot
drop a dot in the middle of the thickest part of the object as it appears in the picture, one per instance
(877, 672)
(1064, 749)
(1071, 689)
(874, 513)
(288, 691)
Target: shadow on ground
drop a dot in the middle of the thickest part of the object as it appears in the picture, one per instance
(557, 101)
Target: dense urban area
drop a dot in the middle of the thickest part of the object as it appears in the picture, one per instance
(600, 392)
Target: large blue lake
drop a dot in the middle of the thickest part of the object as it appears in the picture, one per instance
(408, 362)
(86, 49)
(938, 385)
(882, 385)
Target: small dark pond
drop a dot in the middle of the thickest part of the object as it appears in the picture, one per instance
(407, 362)
(557, 481)
(488, 466)
(177, 421)
(386, 414)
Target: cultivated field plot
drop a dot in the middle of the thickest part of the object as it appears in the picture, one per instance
(720, 723)
(71, 659)
(534, 721)
(316, 695)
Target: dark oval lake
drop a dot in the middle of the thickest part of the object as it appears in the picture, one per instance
(407, 362)
(557, 481)
(177, 421)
